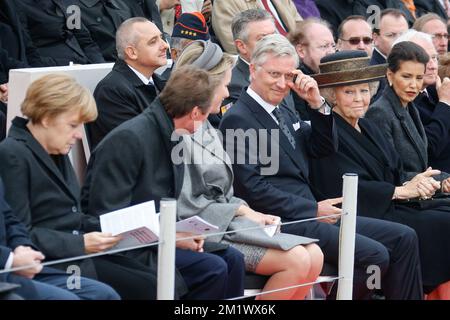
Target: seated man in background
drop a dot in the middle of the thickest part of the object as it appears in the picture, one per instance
(312, 39)
(131, 86)
(392, 24)
(284, 13)
(355, 33)
(436, 27)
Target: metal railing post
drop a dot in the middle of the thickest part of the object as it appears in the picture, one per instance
(166, 250)
(347, 237)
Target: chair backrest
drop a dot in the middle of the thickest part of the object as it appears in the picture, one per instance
(87, 75)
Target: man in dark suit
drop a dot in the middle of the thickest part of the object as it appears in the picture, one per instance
(281, 186)
(36, 282)
(136, 162)
(313, 40)
(131, 86)
(55, 31)
(393, 23)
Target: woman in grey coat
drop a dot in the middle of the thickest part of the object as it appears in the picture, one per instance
(208, 192)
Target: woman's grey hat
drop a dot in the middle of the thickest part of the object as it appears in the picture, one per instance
(211, 56)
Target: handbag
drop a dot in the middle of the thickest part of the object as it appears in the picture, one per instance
(438, 200)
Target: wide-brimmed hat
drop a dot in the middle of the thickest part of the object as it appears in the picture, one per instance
(347, 68)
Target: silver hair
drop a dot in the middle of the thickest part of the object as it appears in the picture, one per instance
(179, 44)
(126, 35)
(329, 93)
(413, 34)
(275, 45)
(242, 19)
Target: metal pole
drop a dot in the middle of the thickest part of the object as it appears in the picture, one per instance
(166, 250)
(347, 237)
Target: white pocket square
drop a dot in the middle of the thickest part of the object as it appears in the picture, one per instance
(296, 126)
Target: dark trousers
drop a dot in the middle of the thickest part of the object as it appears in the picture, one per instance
(52, 285)
(216, 275)
(392, 247)
(132, 279)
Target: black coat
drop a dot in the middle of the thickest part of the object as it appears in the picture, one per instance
(43, 192)
(379, 170)
(47, 23)
(11, 14)
(287, 192)
(102, 19)
(120, 96)
(435, 118)
(27, 169)
(133, 164)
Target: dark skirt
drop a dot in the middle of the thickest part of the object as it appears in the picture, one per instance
(433, 230)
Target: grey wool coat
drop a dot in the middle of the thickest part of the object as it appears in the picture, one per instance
(208, 192)
(404, 130)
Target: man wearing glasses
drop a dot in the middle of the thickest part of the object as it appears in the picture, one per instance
(391, 25)
(354, 33)
(313, 40)
(436, 27)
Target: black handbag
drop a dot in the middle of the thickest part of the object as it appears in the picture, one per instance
(438, 200)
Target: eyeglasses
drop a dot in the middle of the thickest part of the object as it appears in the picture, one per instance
(356, 40)
(393, 35)
(434, 57)
(324, 47)
(277, 75)
(441, 36)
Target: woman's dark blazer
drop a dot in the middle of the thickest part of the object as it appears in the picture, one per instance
(407, 137)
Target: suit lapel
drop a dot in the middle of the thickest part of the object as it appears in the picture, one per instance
(268, 123)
